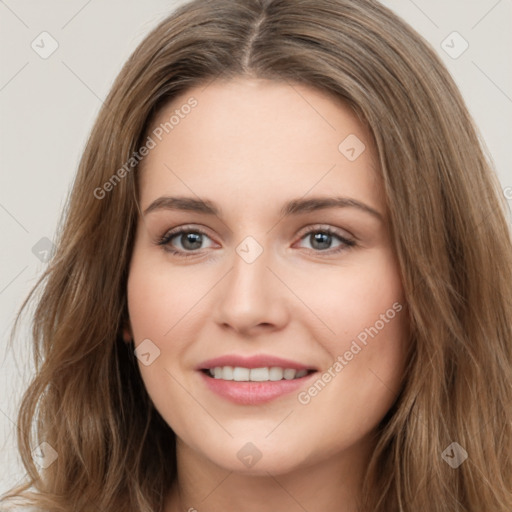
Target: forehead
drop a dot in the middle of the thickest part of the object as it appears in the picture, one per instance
(264, 138)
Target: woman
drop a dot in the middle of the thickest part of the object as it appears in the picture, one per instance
(283, 280)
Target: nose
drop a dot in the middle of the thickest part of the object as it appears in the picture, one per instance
(251, 300)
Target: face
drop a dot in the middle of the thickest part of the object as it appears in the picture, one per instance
(263, 256)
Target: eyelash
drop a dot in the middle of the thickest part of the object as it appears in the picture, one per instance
(168, 236)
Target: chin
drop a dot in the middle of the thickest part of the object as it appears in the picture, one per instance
(257, 458)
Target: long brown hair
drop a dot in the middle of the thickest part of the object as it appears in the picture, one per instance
(449, 228)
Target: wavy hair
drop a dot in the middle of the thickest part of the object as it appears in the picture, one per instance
(449, 227)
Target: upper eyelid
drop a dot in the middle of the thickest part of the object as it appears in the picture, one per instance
(199, 228)
(326, 227)
(171, 233)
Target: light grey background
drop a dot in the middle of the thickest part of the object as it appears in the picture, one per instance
(47, 107)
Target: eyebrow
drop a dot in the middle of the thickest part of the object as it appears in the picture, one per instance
(293, 207)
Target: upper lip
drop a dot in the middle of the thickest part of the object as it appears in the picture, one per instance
(256, 361)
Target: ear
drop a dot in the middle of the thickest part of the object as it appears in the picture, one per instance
(127, 333)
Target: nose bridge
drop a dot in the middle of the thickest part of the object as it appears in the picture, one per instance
(251, 295)
(249, 280)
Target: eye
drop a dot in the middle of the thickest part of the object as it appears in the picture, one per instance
(189, 241)
(184, 240)
(323, 238)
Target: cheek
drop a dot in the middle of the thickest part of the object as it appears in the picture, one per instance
(366, 311)
(361, 298)
(366, 360)
(159, 300)
(163, 305)
(159, 304)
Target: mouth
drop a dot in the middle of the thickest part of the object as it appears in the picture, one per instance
(253, 380)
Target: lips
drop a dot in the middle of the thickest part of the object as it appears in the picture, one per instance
(257, 361)
(253, 380)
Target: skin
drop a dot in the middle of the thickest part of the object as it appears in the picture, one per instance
(249, 146)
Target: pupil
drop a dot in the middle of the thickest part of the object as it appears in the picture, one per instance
(191, 241)
(323, 239)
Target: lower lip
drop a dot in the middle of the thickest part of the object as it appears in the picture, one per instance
(253, 393)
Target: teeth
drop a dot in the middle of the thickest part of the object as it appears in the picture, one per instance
(239, 373)
(275, 373)
(227, 373)
(259, 374)
(265, 374)
(289, 374)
